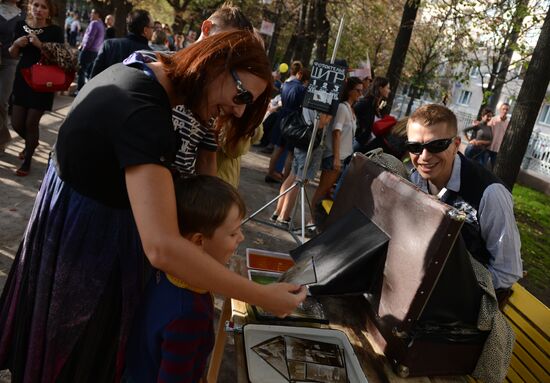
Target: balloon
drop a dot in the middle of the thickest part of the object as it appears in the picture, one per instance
(283, 68)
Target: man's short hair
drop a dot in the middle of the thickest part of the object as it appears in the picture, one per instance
(203, 203)
(159, 37)
(486, 111)
(137, 20)
(229, 16)
(296, 67)
(433, 114)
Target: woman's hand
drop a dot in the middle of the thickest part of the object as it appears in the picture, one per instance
(34, 40)
(21, 42)
(282, 298)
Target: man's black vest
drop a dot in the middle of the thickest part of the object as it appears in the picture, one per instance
(474, 179)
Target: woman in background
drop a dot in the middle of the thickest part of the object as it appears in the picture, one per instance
(369, 109)
(10, 16)
(28, 105)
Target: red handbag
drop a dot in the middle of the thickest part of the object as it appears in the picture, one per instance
(47, 78)
(383, 126)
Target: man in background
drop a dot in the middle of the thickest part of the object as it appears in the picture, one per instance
(110, 32)
(498, 124)
(91, 42)
(113, 51)
(490, 231)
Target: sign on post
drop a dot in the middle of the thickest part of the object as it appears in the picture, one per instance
(327, 81)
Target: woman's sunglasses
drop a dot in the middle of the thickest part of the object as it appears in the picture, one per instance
(435, 146)
(244, 96)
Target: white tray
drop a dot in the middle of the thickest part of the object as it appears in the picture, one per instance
(259, 371)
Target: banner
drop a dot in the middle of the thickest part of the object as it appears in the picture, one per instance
(324, 88)
(267, 28)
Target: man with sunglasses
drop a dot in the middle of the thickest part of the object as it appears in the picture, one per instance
(490, 231)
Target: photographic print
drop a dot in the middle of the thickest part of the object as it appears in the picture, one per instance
(310, 310)
(297, 370)
(325, 374)
(273, 352)
(302, 273)
(313, 351)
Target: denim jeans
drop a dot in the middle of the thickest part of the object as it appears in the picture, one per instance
(86, 62)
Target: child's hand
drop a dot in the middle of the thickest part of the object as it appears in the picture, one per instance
(282, 298)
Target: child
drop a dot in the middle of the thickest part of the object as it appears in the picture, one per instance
(172, 334)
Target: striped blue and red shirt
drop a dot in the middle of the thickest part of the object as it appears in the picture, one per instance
(172, 335)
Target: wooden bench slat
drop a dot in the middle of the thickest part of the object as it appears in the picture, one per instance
(531, 308)
(531, 364)
(526, 326)
(536, 353)
(521, 370)
(513, 377)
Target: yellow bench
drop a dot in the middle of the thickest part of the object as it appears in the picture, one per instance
(530, 320)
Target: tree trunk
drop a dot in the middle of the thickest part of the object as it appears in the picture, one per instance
(300, 33)
(413, 92)
(322, 27)
(519, 15)
(60, 18)
(401, 46)
(275, 37)
(530, 98)
(310, 34)
(121, 9)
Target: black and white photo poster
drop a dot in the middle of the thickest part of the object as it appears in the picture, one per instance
(324, 88)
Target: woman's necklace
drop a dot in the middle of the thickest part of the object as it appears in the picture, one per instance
(32, 31)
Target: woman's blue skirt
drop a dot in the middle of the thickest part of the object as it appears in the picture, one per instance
(67, 306)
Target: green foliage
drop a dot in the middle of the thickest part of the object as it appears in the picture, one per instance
(532, 210)
(160, 10)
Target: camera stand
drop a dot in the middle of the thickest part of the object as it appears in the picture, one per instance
(300, 182)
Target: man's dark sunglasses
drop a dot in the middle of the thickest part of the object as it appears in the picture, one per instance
(244, 96)
(435, 146)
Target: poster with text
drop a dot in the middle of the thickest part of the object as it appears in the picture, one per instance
(323, 91)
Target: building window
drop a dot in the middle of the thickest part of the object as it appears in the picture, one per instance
(474, 72)
(464, 98)
(545, 115)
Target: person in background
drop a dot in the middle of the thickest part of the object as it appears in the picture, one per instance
(28, 105)
(339, 139)
(106, 212)
(191, 37)
(179, 42)
(10, 16)
(490, 231)
(74, 29)
(113, 51)
(369, 109)
(110, 31)
(159, 42)
(293, 92)
(68, 22)
(479, 138)
(173, 333)
(91, 43)
(169, 37)
(499, 125)
(285, 204)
